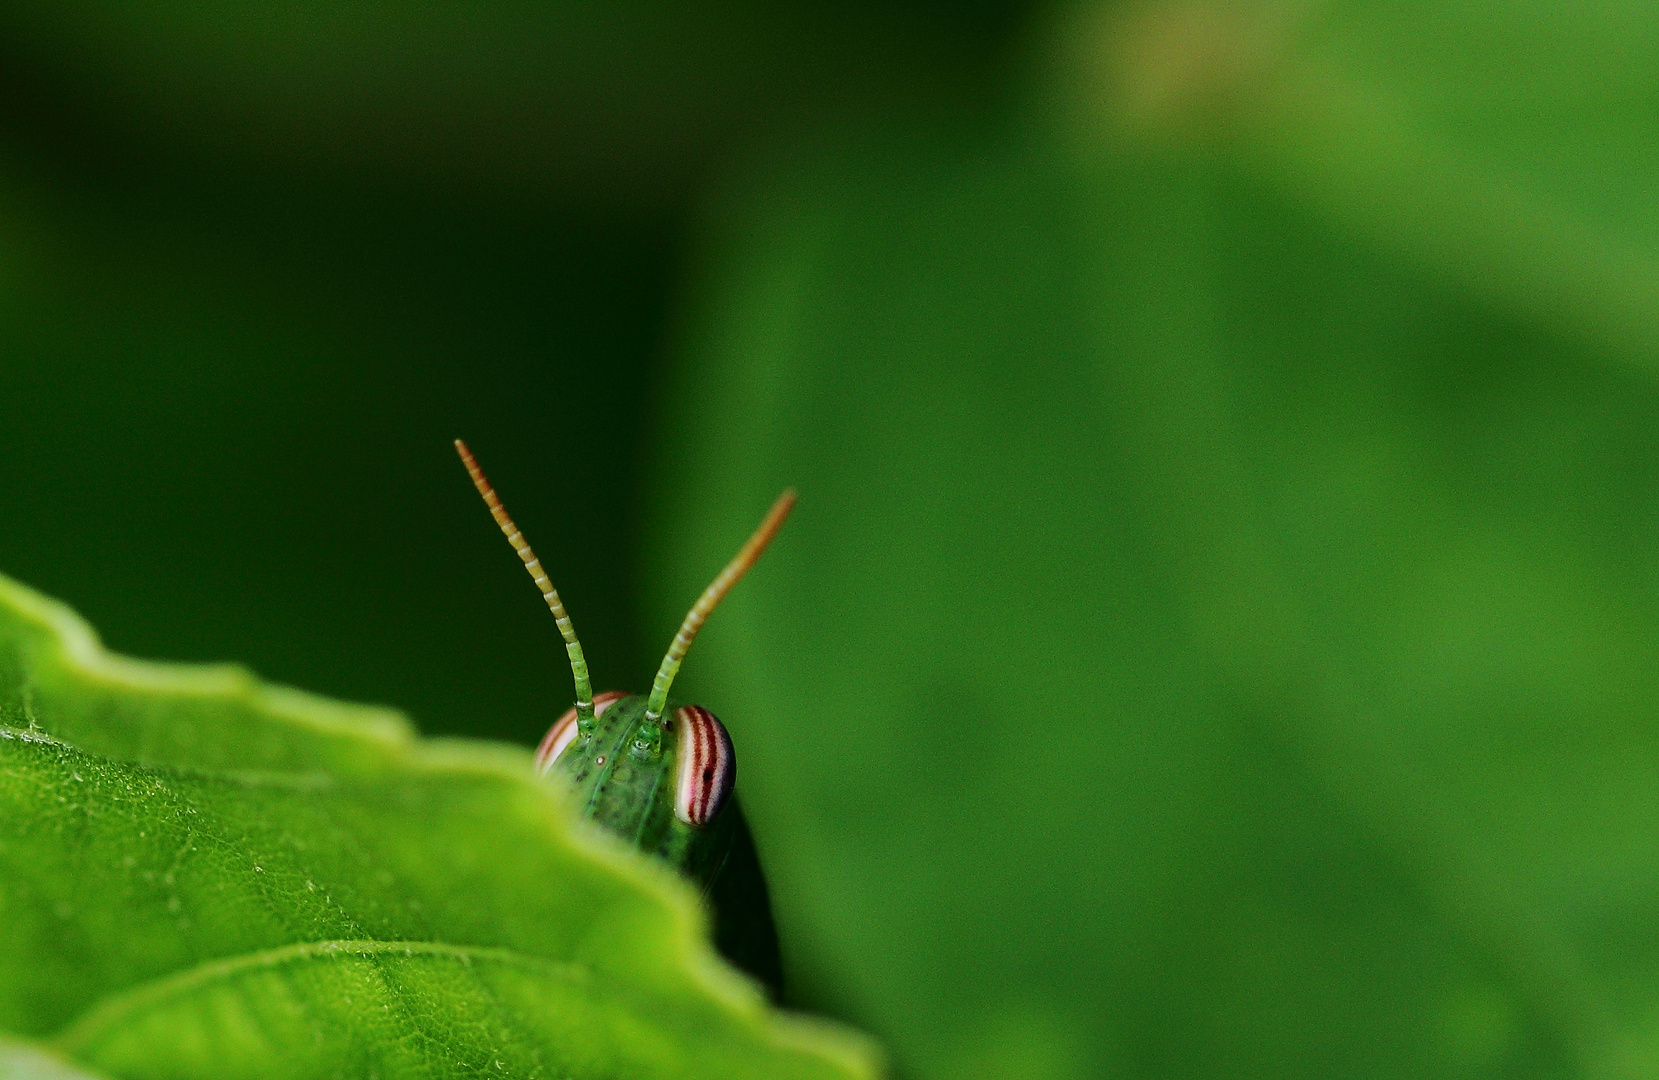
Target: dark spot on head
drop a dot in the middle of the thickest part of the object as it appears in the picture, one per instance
(707, 773)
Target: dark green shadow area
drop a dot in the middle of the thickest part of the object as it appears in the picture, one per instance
(228, 413)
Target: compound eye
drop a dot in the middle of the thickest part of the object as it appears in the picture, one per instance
(564, 731)
(707, 768)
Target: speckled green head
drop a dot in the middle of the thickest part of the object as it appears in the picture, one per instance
(660, 774)
(660, 786)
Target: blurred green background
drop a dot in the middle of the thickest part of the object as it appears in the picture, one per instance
(1220, 632)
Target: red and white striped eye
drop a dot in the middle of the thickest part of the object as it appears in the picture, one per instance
(563, 730)
(708, 767)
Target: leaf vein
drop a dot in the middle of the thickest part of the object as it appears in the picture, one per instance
(114, 1010)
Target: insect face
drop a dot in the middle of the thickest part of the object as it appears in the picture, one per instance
(664, 786)
(699, 767)
(645, 778)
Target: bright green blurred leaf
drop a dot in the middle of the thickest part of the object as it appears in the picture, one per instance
(204, 876)
(25, 1061)
(1220, 631)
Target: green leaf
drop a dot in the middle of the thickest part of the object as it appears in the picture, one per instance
(204, 876)
(1219, 634)
(26, 1061)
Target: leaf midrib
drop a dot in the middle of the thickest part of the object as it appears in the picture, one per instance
(110, 1012)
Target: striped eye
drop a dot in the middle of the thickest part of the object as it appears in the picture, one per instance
(563, 731)
(708, 767)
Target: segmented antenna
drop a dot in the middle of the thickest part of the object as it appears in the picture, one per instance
(578, 665)
(717, 590)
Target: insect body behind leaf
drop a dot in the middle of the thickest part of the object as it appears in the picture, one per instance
(663, 785)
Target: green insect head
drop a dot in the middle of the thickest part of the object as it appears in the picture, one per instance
(654, 772)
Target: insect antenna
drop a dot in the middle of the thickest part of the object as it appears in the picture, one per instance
(578, 664)
(717, 590)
